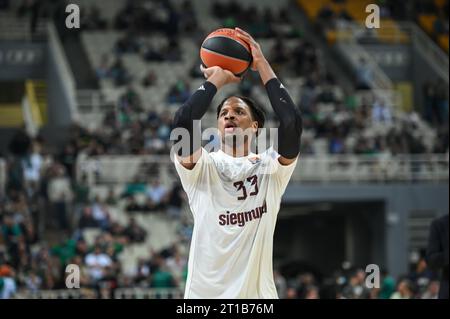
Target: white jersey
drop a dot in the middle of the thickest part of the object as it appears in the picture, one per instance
(235, 203)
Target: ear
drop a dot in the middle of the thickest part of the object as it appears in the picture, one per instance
(255, 126)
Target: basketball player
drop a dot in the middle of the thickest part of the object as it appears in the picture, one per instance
(235, 195)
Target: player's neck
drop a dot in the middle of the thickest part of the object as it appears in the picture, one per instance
(235, 151)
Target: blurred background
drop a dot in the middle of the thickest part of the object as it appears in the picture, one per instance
(85, 120)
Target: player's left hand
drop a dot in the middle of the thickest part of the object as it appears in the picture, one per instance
(219, 76)
(258, 56)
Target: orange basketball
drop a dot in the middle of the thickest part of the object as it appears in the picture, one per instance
(225, 49)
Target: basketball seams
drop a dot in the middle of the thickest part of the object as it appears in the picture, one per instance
(225, 56)
(228, 47)
(222, 47)
(241, 42)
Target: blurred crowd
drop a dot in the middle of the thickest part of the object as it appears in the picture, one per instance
(351, 282)
(126, 130)
(45, 214)
(348, 123)
(44, 196)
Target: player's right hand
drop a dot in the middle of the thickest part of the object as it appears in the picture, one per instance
(218, 76)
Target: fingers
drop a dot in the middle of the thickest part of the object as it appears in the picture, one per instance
(240, 31)
(207, 72)
(237, 79)
(203, 70)
(245, 36)
(233, 78)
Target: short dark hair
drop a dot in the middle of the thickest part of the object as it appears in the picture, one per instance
(258, 113)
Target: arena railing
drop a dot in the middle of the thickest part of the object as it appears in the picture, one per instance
(148, 293)
(14, 29)
(111, 170)
(93, 105)
(86, 293)
(429, 50)
(400, 33)
(347, 44)
(63, 69)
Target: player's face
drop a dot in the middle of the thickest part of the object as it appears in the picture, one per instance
(234, 115)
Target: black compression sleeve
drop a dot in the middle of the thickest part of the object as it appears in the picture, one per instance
(194, 109)
(291, 127)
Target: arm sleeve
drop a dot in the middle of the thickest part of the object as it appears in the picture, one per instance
(194, 109)
(291, 127)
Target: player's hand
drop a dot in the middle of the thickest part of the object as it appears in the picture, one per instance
(258, 56)
(218, 76)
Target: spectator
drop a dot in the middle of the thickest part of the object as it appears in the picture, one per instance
(87, 220)
(405, 290)
(14, 239)
(100, 213)
(179, 92)
(133, 188)
(161, 277)
(130, 100)
(143, 272)
(281, 284)
(173, 51)
(387, 286)
(127, 44)
(103, 70)
(132, 205)
(432, 291)
(177, 265)
(60, 194)
(150, 79)
(8, 286)
(381, 113)
(134, 232)
(291, 293)
(32, 165)
(33, 282)
(152, 54)
(68, 159)
(93, 19)
(157, 195)
(356, 288)
(96, 262)
(119, 73)
(312, 292)
(175, 201)
(111, 197)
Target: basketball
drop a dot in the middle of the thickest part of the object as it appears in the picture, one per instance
(225, 49)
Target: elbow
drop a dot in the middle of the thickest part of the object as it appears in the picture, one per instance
(294, 123)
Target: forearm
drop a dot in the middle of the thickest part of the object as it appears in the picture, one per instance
(194, 109)
(265, 71)
(291, 127)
